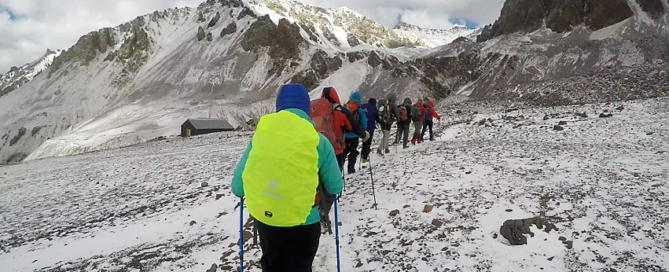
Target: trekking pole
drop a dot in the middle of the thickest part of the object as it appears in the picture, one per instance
(371, 175)
(337, 233)
(241, 234)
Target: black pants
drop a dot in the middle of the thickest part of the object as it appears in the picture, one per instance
(340, 161)
(352, 152)
(288, 249)
(367, 146)
(428, 123)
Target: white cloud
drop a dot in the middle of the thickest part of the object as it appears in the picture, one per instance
(58, 24)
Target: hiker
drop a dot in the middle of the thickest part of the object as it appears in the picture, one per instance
(387, 113)
(344, 121)
(404, 123)
(372, 119)
(333, 120)
(279, 173)
(428, 118)
(350, 138)
(418, 113)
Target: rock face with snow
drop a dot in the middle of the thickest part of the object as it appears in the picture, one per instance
(140, 80)
(16, 76)
(563, 16)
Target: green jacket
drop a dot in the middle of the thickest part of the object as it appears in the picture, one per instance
(328, 173)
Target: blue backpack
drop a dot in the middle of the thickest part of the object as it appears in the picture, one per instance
(427, 116)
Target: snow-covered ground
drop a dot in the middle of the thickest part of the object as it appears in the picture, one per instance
(601, 181)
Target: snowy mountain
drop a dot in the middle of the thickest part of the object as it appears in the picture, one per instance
(434, 37)
(140, 80)
(602, 182)
(16, 76)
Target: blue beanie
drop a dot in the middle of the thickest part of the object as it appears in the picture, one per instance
(293, 96)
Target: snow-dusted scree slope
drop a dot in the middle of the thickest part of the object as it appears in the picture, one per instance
(601, 180)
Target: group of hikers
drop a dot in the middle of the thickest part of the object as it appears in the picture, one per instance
(292, 170)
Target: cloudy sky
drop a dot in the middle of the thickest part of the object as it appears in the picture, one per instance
(29, 27)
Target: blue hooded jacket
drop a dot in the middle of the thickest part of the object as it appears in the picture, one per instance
(372, 115)
(362, 117)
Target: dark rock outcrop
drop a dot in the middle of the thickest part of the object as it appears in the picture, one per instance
(514, 230)
(322, 64)
(246, 12)
(200, 33)
(231, 28)
(214, 20)
(86, 49)
(558, 15)
(210, 37)
(654, 8)
(283, 39)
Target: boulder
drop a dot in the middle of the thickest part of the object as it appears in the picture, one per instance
(214, 20)
(200, 33)
(213, 268)
(394, 212)
(562, 123)
(437, 223)
(558, 128)
(209, 37)
(231, 28)
(604, 115)
(205, 184)
(514, 230)
(428, 208)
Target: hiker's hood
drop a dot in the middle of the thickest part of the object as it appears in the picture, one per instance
(372, 101)
(355, 96)
(392, 98)
(407, 101)
(330, 94)
(430, 103)
(293, 96)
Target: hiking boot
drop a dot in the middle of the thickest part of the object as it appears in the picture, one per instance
(378, 151)
(387, 151)
(420, 141)
(431, 139)
(351, 171)
(365, 161)
(405, 147)
(413, 142)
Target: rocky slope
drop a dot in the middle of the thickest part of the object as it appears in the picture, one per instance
(140, 80)
(435, 37)
(564, 16)
(17, 76)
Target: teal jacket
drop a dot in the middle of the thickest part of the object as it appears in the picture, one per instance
(362, 116)
(328, 173)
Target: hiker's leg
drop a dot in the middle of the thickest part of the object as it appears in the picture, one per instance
(347, 149)
(301, 247)
(422, 133)
(271, 243)
(431, 124)
(397, 134)
(340, 161)
(405, 133)
(353, 155)
(384, 139)
(367, 146)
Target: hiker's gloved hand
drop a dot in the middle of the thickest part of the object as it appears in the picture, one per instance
(366, 136)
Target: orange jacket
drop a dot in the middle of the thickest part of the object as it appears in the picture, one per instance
(433, 113)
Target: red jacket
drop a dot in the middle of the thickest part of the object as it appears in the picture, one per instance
(342, 119)
(423, 111)
(433, 113)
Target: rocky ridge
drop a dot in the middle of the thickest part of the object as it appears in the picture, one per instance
(17, 76)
